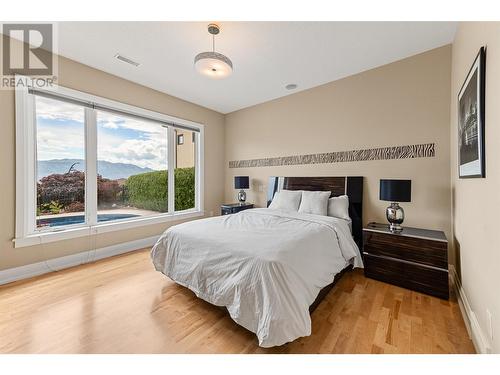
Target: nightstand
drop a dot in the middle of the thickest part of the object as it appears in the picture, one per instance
(232, 208)
(416, 259)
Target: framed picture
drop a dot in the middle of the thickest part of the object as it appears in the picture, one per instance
(180, 139)
(471, 161)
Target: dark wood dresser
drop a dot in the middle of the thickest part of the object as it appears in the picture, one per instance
(416, 259)
(232, 208)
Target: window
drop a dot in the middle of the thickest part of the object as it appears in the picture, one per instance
(89, 165)
(60, 163)
(180, 139)
(132, 166)
(185, 168)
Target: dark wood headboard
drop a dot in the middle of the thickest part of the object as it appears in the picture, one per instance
(350, 186)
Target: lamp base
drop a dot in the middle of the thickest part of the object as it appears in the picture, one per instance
(395, 216)
(242, 196)
(395, 228)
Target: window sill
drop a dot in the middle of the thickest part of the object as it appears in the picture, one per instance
(83, 231)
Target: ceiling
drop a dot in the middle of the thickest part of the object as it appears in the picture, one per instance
(266, 55)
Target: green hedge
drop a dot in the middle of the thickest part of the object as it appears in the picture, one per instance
(149, 190)
(184, 188)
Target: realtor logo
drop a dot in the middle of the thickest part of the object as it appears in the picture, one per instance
(33, 55)
(28, 55)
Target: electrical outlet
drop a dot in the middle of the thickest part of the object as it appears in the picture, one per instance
(490, 323)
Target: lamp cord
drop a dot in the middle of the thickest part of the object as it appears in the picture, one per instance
(91, 252)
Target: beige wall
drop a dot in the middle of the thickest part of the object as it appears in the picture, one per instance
(84, 78)
(406, 102)
(476, 202)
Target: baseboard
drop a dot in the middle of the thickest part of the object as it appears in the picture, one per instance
(56, 264)
(475, 332)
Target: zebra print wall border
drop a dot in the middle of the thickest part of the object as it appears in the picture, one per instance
(425, 150)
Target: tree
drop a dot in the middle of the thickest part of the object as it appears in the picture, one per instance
(67, 190)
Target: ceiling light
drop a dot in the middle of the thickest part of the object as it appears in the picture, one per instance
(213, 64)
(291, 86)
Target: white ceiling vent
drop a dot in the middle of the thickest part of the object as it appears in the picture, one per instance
(127, 60)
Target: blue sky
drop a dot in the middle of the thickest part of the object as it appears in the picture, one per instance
(60, 135)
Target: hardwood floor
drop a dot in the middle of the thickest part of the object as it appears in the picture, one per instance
(121, 305)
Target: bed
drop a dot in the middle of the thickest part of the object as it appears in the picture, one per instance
(268, 267)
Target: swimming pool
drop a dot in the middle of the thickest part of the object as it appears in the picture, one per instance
(80, 219)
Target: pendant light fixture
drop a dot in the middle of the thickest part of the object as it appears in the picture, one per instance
(213, 64)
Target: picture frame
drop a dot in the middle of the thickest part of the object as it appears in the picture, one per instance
(471, 120)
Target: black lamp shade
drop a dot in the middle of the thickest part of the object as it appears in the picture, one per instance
(241, 182)
(395, 190)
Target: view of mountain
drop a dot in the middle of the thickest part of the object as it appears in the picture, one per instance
(104, 168)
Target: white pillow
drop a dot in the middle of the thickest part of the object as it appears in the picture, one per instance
(288, 200)
(339, 207)
(314, 202)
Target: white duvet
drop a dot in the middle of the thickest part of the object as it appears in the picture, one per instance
(265, 266)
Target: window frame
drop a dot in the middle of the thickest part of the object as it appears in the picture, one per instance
(26, 232)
